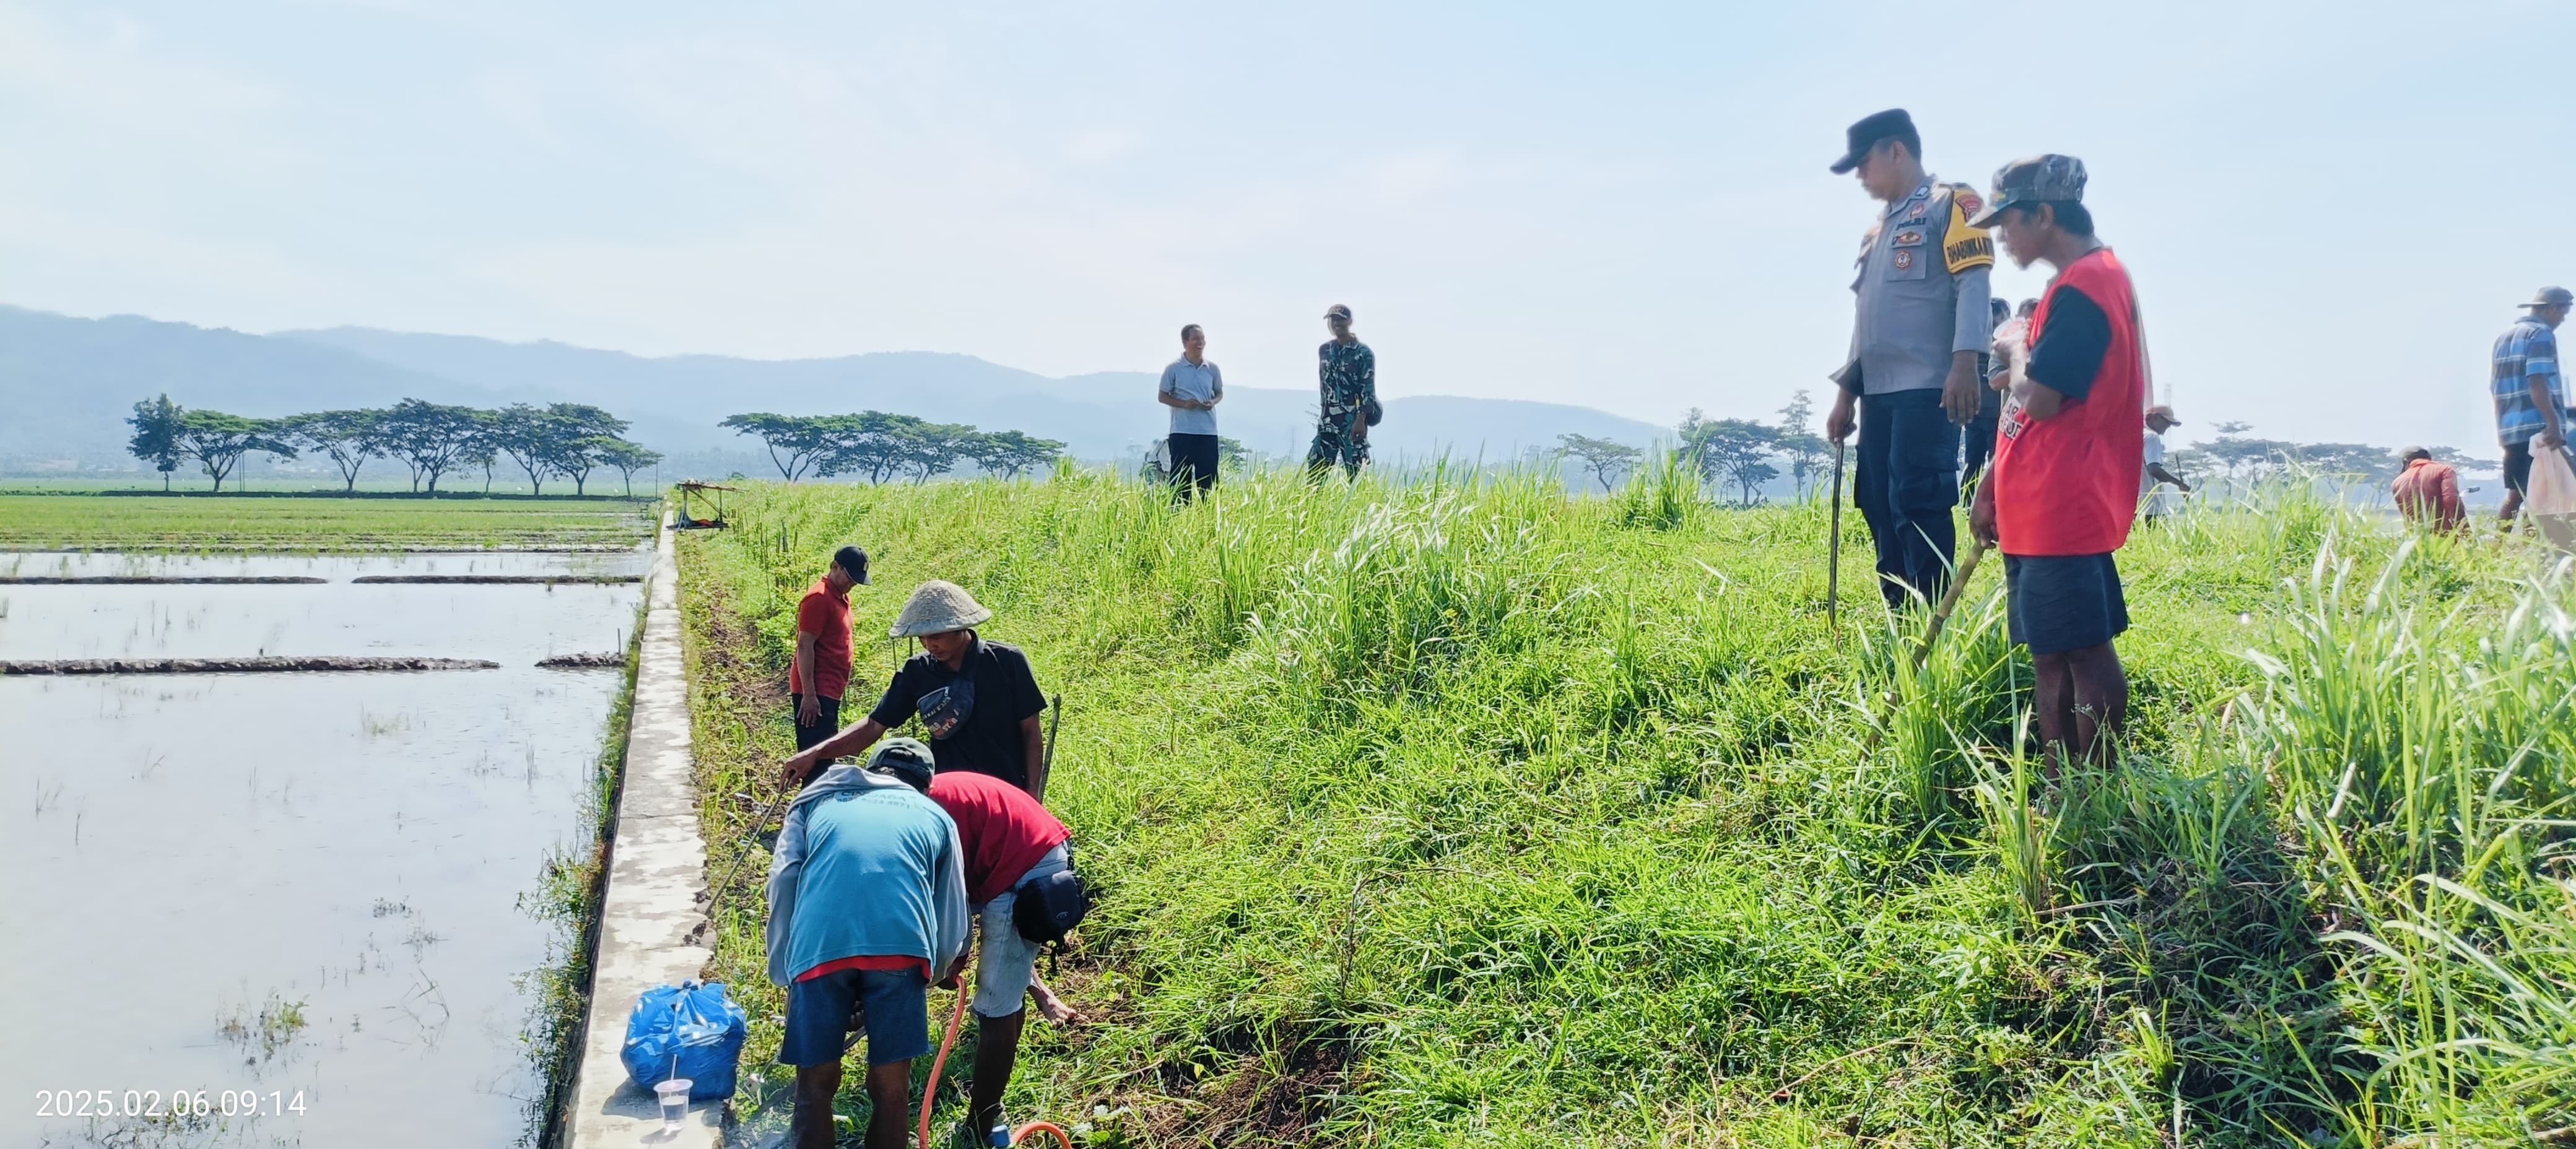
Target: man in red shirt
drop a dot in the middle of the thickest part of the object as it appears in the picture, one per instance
(2428, 493)
(2068, 455)
(820, 672)
(1008, 839)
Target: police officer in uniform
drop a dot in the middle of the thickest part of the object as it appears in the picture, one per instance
(1912, 371)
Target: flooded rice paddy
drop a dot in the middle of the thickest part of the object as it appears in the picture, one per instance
(295, 892)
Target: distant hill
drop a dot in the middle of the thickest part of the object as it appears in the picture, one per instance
(70, 382)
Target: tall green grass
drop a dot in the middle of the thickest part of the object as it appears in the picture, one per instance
(1455, 811)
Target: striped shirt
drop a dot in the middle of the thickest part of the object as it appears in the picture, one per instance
(2525, 349)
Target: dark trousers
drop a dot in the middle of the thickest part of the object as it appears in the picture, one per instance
(1194, 461)
(1908, 481)
(1976, 446)
(827, 720)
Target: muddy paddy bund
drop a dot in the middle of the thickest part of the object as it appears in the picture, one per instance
(313, 894)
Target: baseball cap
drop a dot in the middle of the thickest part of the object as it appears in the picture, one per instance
(1337, 310)
(2552, 297)
(852, 561)
(905, 758)
(2167, 412)
(2034, 179)
(1862, 136)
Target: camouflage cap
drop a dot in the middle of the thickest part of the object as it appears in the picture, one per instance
(1337, 311)
(2037, 179)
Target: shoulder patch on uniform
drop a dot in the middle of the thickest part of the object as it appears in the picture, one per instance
(1962, 246)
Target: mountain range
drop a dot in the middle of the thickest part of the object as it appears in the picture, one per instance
(69, 383)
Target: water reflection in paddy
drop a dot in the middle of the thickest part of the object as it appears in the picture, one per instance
(185, 852)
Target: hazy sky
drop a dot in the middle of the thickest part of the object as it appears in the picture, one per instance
(2331, 209)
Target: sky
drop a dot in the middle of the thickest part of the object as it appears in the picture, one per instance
(2330, 209)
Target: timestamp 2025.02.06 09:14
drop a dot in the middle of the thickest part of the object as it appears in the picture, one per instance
(175, 1103)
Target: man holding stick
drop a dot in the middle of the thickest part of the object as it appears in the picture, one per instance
(1911, 376)
(2068, 456)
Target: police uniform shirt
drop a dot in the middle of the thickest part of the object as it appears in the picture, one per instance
(1921, 292)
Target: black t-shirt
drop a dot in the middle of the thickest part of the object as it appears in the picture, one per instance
(996, 692)
(2070, 349)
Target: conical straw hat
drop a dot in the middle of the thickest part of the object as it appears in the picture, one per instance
(936, 607)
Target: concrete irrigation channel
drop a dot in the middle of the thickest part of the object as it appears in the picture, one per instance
(278, 848)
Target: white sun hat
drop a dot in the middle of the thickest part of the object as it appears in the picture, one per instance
(937, 607)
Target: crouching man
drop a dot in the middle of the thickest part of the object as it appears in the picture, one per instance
(867, 906)
(1009, 841)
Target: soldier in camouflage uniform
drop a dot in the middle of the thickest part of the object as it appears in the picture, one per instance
(1347, 371)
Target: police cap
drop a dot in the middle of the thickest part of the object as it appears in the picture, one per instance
(1892, 124)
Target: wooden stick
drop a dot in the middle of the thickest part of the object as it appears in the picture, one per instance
(1834, 545)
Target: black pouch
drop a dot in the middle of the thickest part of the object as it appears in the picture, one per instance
(1045, 909)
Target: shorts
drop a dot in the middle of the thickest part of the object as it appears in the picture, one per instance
(2058, 603)
(818, 1016)
(1006, 964)
(2517, 467)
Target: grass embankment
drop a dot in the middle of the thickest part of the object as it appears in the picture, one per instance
(182, 522)
(1474, 815)
(574, 882)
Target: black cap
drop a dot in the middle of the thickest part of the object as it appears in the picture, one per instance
(1890, 124)
(853, 562)
(2551, 297)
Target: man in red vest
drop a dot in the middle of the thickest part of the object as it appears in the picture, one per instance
(2068, 455)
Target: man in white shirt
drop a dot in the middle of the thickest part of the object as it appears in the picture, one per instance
(2153, 501)
(1192, 387)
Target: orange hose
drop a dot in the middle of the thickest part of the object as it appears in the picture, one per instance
(956, 1019)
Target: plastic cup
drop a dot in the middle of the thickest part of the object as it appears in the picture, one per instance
(675, 1102)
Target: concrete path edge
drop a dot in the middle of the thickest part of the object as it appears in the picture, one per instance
(650, 911)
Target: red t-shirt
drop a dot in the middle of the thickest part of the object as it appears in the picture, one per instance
(870, 961)
(1001, 828)
(827, 617)
(2068, 484)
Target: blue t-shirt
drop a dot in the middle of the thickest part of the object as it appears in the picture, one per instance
(1200, 381)
(2525, 349)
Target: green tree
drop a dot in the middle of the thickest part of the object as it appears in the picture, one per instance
(1805, 451)
(1604, 457)
(156, 435)
(1734, 450)
(1008, 453)
(579, 432)
(433, 438)
(627, 457)
(218, 441)
(872, 443)
(347, 438)
(796, 443)
(529, 437)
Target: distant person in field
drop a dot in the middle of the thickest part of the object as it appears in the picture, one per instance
(2063, 488)
(820, 673)
(1977, 439)
(2152, 500)
(867, 908)
(2427, 492)
(1192, 387)
(2530, 393)
(1009, 840)
(978, 700)
(1346, 374)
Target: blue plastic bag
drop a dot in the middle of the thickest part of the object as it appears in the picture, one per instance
(689, 1030)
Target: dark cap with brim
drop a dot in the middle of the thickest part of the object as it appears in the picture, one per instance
(2551, 297)
(2048, 178)
(1861, 137)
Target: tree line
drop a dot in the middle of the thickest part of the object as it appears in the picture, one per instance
(1745, 454)
(558, 440)
(884, 446)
